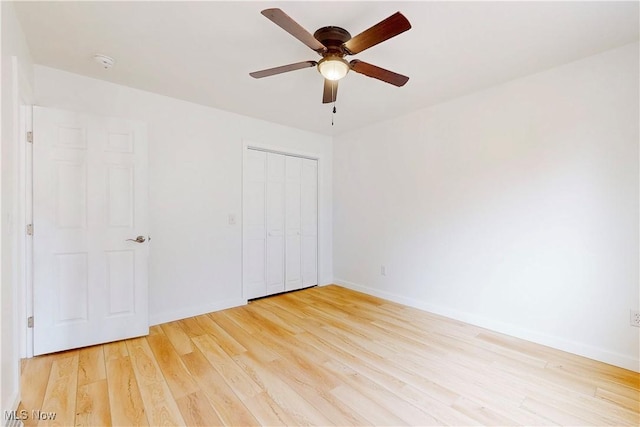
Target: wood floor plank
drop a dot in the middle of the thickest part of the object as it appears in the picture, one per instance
(91, 365)
(60, 397)
(160, 406)
(366, 407)
(245, 339)
(302, 411)
(178, 337)
(381, 396)
(237, 379)
(191, 327)
(180, 382)
(197, 410)
(221, 337)
(35, 376)
(115, 350)
(92, 404)
(125, 400)
(227, 404)
(268, 412)
(482, 413)
(630, 402)
(314, 386)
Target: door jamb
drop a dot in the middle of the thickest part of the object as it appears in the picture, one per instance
(25, 217)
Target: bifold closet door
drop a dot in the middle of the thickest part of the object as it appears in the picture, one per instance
(254, 236)
(293, 250)
(275, 222)
(280, 237)
(309, 222)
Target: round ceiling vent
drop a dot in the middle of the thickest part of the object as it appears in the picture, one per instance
(105, 61)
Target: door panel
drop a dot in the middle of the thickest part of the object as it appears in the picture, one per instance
(293, 277)
(309, 222)
(120, 186)
(120, 282)
(254, 240)
(88, 199)
(275, 222)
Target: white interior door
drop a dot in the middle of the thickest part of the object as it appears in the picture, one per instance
(309, 222)
(293, 273)
(89, 198)
(254, 224)
(275, 222)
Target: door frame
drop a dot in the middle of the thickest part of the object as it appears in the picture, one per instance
(25, 241)
(276, 149)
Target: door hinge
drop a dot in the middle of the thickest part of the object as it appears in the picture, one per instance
(30, 322)
(30, 136)
(29, 229)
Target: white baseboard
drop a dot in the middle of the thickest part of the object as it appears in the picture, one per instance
(15, 399)
(170, 316)
(580, 349)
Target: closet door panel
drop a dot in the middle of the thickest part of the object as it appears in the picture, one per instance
(254, 225)
(275, 222)
(309, 222)
(293, 273)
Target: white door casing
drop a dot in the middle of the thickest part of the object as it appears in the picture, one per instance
(89, 197)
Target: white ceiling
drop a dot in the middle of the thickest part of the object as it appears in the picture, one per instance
(203, 51)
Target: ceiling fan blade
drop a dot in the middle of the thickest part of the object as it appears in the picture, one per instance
(330, 92)
(383, 30)
(284, 21)
(282, 69)
(378, 73)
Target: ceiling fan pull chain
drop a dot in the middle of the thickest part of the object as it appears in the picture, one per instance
(333, 96)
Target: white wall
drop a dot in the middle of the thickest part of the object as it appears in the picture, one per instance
(515, 208)
(195, 160)
(17, 76)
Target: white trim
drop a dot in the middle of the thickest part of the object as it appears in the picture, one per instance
(602, 355)
(14, 407)
(271, 148)
(170, 316)
(25, 243)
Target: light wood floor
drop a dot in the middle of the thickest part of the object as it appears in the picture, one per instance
(326, 356)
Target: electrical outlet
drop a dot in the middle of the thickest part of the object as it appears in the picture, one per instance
(383, 270)
(635, 318)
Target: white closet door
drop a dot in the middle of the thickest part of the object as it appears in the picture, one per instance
(293, 273)
(89, 198)
(275, 222)
(254, 245)
(309, 222)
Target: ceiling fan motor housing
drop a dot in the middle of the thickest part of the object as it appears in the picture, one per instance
(333, 38)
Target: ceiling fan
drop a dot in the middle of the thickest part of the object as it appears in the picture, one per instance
(333, 44)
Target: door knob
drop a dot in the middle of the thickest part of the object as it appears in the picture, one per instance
(139, 239)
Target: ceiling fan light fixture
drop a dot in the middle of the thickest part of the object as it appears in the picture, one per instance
(333, 68)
